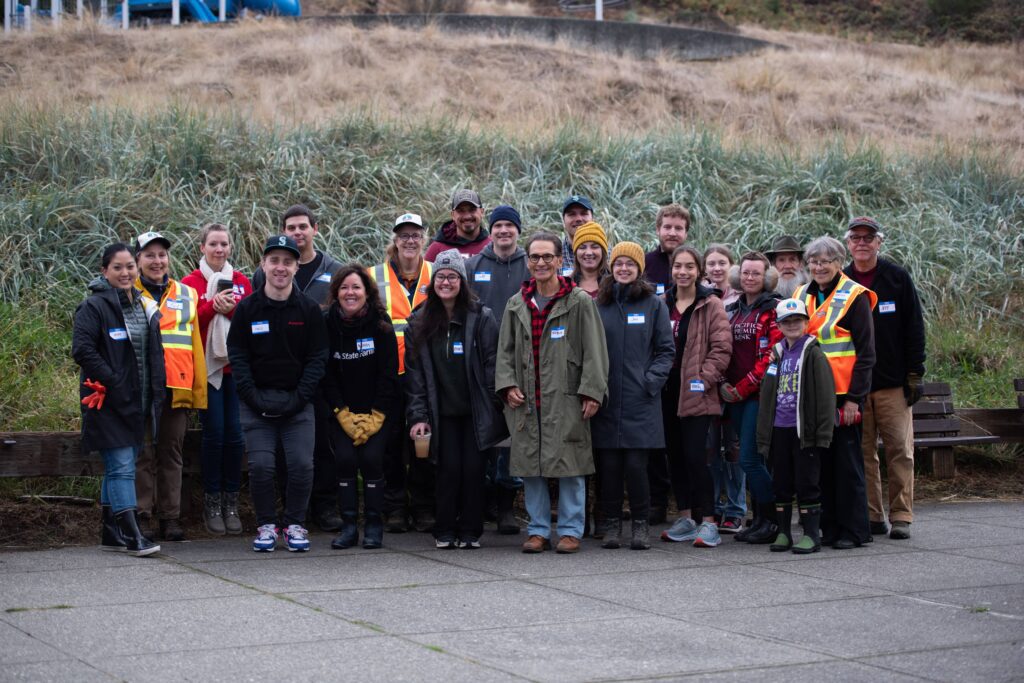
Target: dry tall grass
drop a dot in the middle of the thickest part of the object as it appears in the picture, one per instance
(898, 97)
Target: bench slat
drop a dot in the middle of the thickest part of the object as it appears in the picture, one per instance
(928, 408)
(1018, 385)
(936, 389)
(928, 442)
(931, 426)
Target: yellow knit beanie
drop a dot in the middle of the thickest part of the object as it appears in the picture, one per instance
(590, 232)
(629, 250)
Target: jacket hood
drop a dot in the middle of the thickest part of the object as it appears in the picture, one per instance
(99, 284)
(449, 235)
(763, 301)
(488, 253)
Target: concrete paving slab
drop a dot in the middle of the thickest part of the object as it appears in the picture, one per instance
(862, 627)
(939, 533)
(142, 581)
(995, 513)
(64, 558)
(105, 631)
(1000, 599)
(990, 663)
(907, 572)
(462, 607)
(734, 552)
(378, 658)
(21, 647)
(679, 592)
(300, 572)
(1013, 554)
(61, 670)
(833, 670)
(632, 648)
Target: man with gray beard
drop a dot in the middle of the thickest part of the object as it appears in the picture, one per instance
(787, 257)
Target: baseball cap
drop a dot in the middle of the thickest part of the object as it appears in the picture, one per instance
(465, 195)
(281, 242)
(147, 238)
(787, 308)
(408, 219)
(577, 199)
(864, 222)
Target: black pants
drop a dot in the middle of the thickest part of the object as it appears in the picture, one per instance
(688, 466)
(617, 464)
(367, 459)
(658, 477)
(325, 475)
(796, 470)
(409, 481)
(460, 480)
(844, 501)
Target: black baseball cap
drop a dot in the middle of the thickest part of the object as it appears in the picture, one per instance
(577, 199)
(281, 242)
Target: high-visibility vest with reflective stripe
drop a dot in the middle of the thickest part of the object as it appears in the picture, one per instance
(835, 341)
(178, 315)
(396, 300)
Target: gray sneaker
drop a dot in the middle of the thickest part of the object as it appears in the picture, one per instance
(683, 530)
(229, 511)
(212, 515)
(707, 536)
(900, 531)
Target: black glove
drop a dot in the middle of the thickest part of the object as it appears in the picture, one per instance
(913, 388)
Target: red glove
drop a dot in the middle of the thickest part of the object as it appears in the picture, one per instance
(95, 399)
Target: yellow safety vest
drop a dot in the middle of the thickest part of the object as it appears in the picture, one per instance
(178, 316)
(835, 341)
(396, 300)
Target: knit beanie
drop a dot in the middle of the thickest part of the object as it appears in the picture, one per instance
(506, 213)
(630, 250)
(590, 232)
(451, 259)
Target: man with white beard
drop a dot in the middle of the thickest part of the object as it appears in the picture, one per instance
(787, 257)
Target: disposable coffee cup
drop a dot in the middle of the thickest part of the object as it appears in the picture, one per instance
(422, 444)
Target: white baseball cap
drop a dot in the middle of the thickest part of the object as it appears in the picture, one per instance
(788, 308)
(408, 219)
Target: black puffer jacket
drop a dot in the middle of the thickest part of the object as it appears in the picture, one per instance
(101, 346)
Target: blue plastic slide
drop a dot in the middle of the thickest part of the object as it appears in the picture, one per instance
(206, 10)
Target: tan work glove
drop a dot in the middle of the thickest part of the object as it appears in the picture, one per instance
(374, 421)
(346, 419)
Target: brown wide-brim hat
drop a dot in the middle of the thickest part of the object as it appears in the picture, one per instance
(784, 245)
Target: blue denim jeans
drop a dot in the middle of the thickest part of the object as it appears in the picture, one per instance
(744, 420)
(728, 477)
(572, 494)
(118, 486)
(223, 446)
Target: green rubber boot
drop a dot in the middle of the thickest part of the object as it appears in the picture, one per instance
(810, 516)
(784, 518)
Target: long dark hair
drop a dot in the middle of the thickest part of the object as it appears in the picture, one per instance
(374, 304)
(431, 317)
(638, 289)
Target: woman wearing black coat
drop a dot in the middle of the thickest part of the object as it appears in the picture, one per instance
(629, 425)
(116, 342)
(360, 385)
(449, 383)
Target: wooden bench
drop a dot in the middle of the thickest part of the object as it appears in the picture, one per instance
(939, 428)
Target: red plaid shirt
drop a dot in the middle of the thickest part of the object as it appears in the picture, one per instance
(537, 320)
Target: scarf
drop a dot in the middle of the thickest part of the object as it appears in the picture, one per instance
(217, 332)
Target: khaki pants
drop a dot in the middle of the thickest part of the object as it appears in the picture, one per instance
(158, 469)
(887, 414)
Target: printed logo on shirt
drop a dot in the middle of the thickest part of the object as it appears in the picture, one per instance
(324, 277)
(697, 386)
(365, 345)
(887, 307)
(118, 333)
(423, 289)
(298, 323)
(660, 289)
(174, 304)
(482, 277)
(635, 319)
(557, 332)
(457, 348)
(261, 327)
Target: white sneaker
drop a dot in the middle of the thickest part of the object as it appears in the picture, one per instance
(266, 540)
(298, 538)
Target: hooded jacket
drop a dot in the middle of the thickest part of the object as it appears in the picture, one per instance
(101, 345)
(815, 399)
(496, 280)
(447, 237)
(705, 356)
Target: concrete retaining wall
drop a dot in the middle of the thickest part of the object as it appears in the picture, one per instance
(642, 40)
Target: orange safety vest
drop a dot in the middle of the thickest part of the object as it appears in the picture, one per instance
(178, 315)
(835, 341)
(396, 300)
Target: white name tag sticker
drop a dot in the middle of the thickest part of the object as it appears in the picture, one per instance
(457, 348)
(887, 307)
(772, 370)
(567, 272)
(697, 386)
(364, 344)
(261, 327)
(762, 342)
(481, 277)
(118, 333)
(174, 304)
(841, 296)
(557, 332)
(324, 277)
(635, 319)
(660, 289)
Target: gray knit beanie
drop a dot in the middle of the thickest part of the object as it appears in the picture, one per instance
(451, 259)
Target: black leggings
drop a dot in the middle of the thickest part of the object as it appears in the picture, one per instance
(616, 464)
(688, 464)
(795, 470)
(460, 479)
(368, 458)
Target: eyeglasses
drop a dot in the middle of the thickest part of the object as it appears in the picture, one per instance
(452, 277)
(537, 258)
(751, 276)
(821, 264)
(409, 237)
(863, 239)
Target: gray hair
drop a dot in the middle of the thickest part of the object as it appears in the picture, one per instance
(825, 248)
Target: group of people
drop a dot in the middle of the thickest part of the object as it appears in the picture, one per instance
(438, 384)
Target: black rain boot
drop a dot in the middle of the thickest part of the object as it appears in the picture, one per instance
(508, 525)
(641, 535)
(768, 530)
(110, 536)
(136, 543)
(348, 495)
(612, 533)
(784, 518)
(810, 517)
(373, 523)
